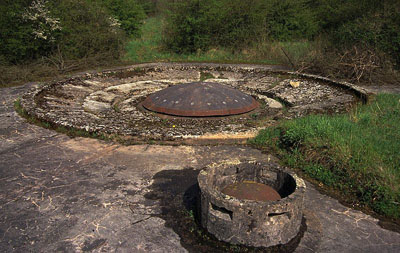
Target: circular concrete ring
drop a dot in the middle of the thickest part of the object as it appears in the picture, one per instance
(250, 222)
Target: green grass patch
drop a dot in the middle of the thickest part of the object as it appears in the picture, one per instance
(357, 153)
(205, 75)
(150, 48)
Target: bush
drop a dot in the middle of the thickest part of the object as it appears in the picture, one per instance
(194, 24)
(128, 13)
(19, 38)
(290, 20)
(149, 6)
(389, 34)
(343, 26)
(367, 23)
(87, 30)
(198, 25)
(332, 14)
(66, 29)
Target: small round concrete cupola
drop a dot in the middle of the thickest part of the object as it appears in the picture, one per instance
(200, 99)
(251, 203)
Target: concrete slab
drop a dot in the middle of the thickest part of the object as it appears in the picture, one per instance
(72, 195)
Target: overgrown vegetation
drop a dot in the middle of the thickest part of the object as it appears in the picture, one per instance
(352, 39)
(356, 153)
(200, 25)
(151, 48)
(63, 35)
(128, 14)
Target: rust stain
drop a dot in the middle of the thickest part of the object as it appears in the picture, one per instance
(251, 190)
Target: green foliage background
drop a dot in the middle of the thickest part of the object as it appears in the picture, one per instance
(199, 25)
(16, 37)
(86, 29)
(358, 40)
(129, 12)
(194, 25)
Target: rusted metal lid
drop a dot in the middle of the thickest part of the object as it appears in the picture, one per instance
(200, 99)
(252, 191)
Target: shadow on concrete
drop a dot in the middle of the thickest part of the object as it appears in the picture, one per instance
(179, 197)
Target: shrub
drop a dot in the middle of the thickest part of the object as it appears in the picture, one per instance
(343, 26)
(371, 24)
(332, 14)
(66, 29)
(129, 14)
(87, 30)
(21, 37)
(186, 29)
(198, 25)
(195, 24)
(149, 6)
(389, 35)
(290, 20)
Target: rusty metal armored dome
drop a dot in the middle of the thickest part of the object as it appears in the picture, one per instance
(200, 99)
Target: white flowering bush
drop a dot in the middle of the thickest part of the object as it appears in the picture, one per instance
(70, 30)
(43, 23)
(88, 30)
(17, 37)
(128, 13)
(115, 24)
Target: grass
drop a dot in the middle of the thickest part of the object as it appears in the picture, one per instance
(149, 48)
(356, 154)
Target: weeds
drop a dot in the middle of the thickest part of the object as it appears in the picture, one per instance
(205, 75)
(116, 107)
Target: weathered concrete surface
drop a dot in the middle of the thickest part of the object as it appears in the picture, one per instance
(243, 221)
(110, 102)
(71, 195)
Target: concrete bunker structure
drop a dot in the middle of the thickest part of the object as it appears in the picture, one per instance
(250, 222)
(200, 99)
(122, 103)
